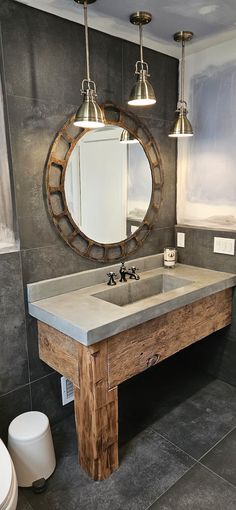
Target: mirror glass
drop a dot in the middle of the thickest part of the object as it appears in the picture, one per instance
(108, 185)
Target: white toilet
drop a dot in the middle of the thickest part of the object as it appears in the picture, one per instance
(8, 481)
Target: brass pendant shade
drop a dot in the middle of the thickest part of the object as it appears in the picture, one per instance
(89, 114)
(127, 137)
(182, 127)
(142, 93)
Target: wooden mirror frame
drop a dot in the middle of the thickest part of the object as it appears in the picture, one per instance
(59, 155)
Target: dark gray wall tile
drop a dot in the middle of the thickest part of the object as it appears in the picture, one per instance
(198, 249)
(48, 65)
(106, 66)
(37, 368)
(46, 397)
(14, 359)
(33, 128)
(217, 355)
(52, 261)
(52, 67)
(11, 286)
(11, 405)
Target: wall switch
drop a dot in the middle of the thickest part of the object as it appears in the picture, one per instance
(224, 245)
(180, 239)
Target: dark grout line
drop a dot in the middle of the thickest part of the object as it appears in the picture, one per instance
(15, 389)
(176, 481)
(171, 486)
(196, 464)
(41, 100)
(43, 377)
(175, 445)
(216, 474)
(216, 444)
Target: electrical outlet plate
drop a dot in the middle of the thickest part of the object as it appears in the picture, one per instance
(224, 245)
(67, 391)
(180, 239)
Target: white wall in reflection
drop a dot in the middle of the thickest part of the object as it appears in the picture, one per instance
(108, 185)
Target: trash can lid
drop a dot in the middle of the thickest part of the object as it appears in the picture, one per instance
(28, 426)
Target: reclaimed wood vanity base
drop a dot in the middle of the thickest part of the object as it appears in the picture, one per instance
(97, 370)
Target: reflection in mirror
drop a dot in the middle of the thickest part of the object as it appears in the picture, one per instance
(108, 185)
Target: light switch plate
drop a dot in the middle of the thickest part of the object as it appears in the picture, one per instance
(224, 245)
(180, 239)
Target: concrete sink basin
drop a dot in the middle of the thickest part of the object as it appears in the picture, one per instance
(136, 290)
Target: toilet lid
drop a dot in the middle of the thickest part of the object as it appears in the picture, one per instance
(5, 474)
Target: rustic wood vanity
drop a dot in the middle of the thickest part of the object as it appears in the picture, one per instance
(130, 339)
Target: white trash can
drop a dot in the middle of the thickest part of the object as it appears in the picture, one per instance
(31, 447)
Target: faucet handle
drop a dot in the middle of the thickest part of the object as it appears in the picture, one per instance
(133, 269)
(134, 275)
(112, 276)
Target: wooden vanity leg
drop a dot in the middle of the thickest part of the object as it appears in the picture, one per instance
(96, 414)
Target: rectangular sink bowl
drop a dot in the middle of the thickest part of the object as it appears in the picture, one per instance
(137, 290)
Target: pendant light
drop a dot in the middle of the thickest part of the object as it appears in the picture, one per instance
(126, 137)
(89, 114)
(142, 93)
(182, 127)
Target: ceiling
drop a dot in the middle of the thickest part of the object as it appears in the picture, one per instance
(212, 21)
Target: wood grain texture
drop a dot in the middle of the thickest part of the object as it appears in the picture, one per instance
(96, 412)
(97, 370)
(59, 351)
(134, 350)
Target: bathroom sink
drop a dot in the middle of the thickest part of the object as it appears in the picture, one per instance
(137, 290)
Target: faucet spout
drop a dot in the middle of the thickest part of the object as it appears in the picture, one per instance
(130, 272)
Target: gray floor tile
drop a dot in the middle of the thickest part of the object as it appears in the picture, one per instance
(222, 458)
(149, 465)
(198, 422)
(22, 503)
(199, 489)
(166, 385)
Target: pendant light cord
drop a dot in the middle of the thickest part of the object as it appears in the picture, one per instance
(86, 38)
(182, 72)
(141, 41)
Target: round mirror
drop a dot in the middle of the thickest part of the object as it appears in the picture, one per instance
(108, 185)
(104, 185)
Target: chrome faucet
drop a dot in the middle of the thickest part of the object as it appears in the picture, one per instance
(131, 273)
(112, 276)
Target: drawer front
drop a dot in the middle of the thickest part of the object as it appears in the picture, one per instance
(138, 348)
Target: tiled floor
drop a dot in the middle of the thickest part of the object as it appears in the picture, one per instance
(177, 449)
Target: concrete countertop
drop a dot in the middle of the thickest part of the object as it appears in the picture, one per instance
(68, 303)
